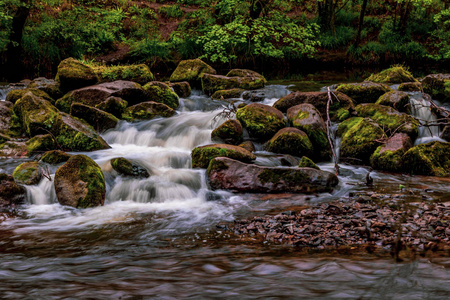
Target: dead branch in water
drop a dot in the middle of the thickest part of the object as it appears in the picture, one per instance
(46, 173)
(336, 166)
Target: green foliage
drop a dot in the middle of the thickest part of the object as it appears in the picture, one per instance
(344, 36)
(442, 34)
(150, 50)
(171, 11)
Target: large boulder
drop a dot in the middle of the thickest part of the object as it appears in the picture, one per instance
(359, 139)
(212, 83)
(28, 173)
(147, 111)
(388, 157)
(230, 132)
(438, 86)
(11, 194)
(113, 105)
(41, 143)
(15, 95)
(261, 121)
(99, 119)
(229, 174)
(55, 157)
(396, 74)
(290, 141)
(395, 99)
(130, 91)
(192, 71)
(49, 86)
(128, 168)
(80, 183)
(390, 119)
(340, 109)
(139, 73)
(227, 94)
(306, 162)
(161, 93)
(307, 118)
(244, 73)
(73, 74)
(410, 87)
(182, 89)
(432, 159)
(364, 92)
(201, 156)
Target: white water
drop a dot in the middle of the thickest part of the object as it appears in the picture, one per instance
(4, 89)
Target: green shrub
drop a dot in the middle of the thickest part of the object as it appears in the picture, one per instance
(150, 50)
(171, 11)
(343, 36)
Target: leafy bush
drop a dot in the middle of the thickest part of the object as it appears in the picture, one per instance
(442, 34)
(171, 11)
(150, 50)
(344, 35)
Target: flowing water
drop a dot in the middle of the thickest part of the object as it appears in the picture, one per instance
(157, 237)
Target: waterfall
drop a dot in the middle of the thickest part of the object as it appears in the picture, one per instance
(4, 89)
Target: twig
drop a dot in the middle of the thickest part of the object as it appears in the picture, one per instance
(46, 173)
(336, 166)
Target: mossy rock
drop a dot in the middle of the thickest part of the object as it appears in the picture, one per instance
(445, 134)
(137, 73)
(55, 157)
(261, 121)
(248, 145)
(306, 162)
(390, 119)
(182, 89)
(73, 74)
(431, 159)
(389, 157)
(128, 168)
(307, 118)
(40, 143)
(410, 87)
(28, 173)
(340, 110)
(192, 71)
(395, 74)
(202, 155)
(49, 86)
(6, 119)
(15, 95)
(80, 183)
(364, 92)
(245, 73)
(76, 135)
(359, 139)
(161, 93)
(37, 115)
(230, 132)
(113, 105)
(147, 111)
(11, 194)
(212, 83)
(438, 86)
(98, 119)
(395, 99)
(290, 141)
(227, 94)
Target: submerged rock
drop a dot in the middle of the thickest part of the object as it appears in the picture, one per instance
(261, 121)
(55, 157)
(73, 74)
(306, 162)
(290, 141)
(201, 156)
(147, 111)
(396, 74)
(100, 120)
(364, 92)
(11, 194)
(161, 93)
(192, 71)
(28, 173)
(227, 94)
(128, 168)
(438, 86)
(80, 183)
(212, 83)
(432, 159)
(230, 132)
(229, 174)
(389, 157)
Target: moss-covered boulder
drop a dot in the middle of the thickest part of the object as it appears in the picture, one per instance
(244, 73)
(248, 145)
(306, 162)
(147, 111)
(390, 119)
(340, 110)
(431, 159)
(395, 99)
(395, 74)
(113, 105)
(388, 157)
(41, 143)
(445, 134)
(161, 93)
(212, 83)
(28, 173)
(230, 132)
(49, 86)
(126, 167)
(80, 183)
(76, 135)
(438, 86)
(227, 94)
(364, 92)
(192, 71)
(229, 174)
(6, 115)
(261, 121)
(139, 73)
(307, 118)
(11, 194)
(359, 139)
(130, 91)
(15, 95)
(182, 89)
(73, 74)
(202, 155)
(37, 115)
(410, 87)
(100, 120)
(55, 157)
(290, 141)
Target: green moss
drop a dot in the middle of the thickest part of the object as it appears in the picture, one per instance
(122, 165)
(147, 111)
(40, 143)
(227, 94)
(390, 161)
(201, 156)
(216, 165)
(28, 173)
(395, 99)
(395, 74)
(365, 92)
(288, 141)
(191, 71)
(138, 73)
(65, 102)
(113, 105)
(290, 176)
(260, 120)
(15, 95)
(305, 162)
(213, 83)
(73, 74)
(437, 85)
(342, 114)
(230, 132)
(55, 157)
(432, 159)
(162, 93)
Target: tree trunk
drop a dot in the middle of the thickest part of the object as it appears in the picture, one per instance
(361, 22)
(405, 11)
(326, 11)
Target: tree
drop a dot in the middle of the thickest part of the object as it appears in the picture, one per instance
(361, 22)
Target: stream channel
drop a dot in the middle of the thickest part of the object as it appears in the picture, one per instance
(157, 237)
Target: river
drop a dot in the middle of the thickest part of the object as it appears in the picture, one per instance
(158, 237)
